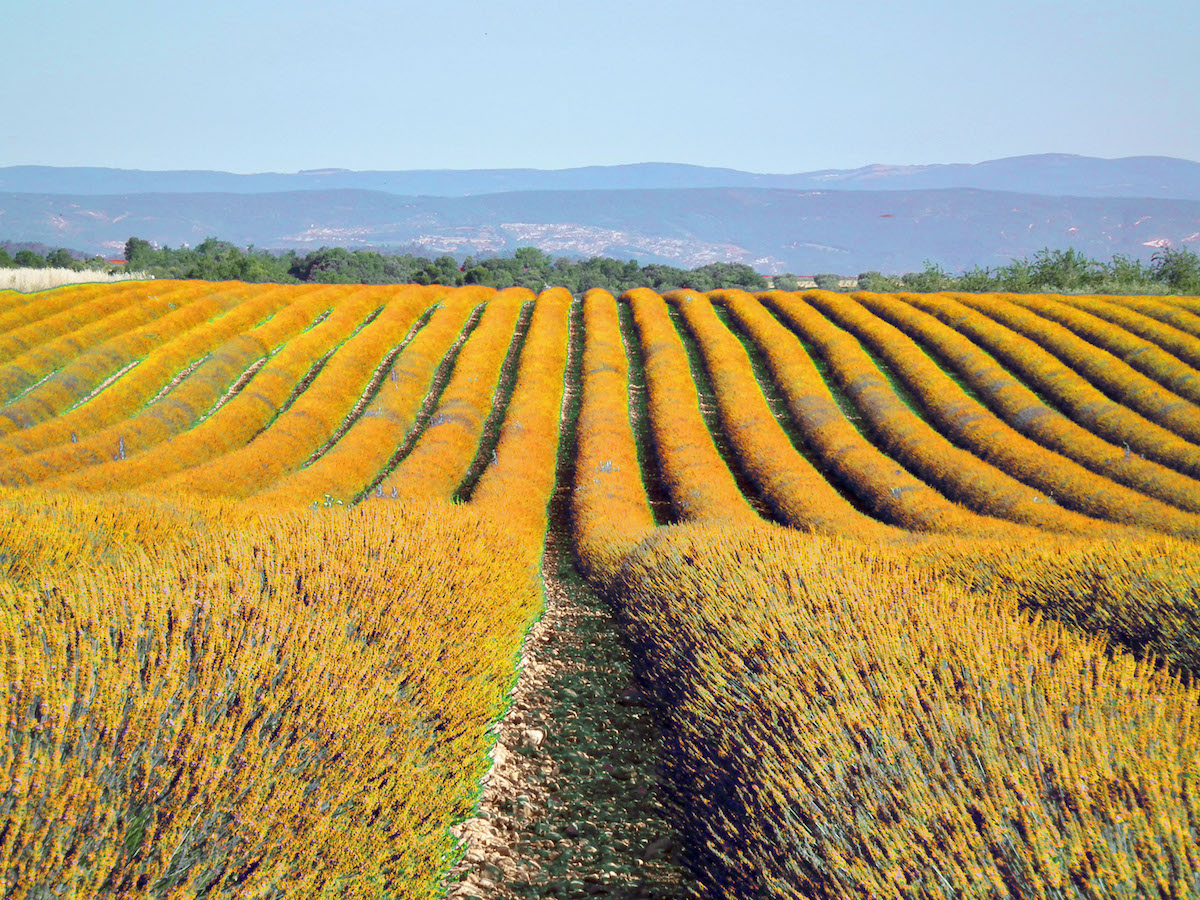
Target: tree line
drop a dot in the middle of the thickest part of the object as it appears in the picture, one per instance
(527, 267)
(1172, 270)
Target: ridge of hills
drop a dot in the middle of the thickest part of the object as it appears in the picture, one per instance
(1057, 174)
(887, 218)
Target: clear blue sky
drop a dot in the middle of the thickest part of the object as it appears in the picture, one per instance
(768, 86)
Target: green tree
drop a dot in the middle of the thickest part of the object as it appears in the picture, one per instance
(929, 280)
(1178, 268)
(60, 259)
(977, 280)
(877, 282)
(827, 281)
(137, 253)
(27, 259)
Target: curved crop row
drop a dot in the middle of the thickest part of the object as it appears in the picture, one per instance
(11, 299)
(101, 304)
(882, 486)
(1136, 352)
(295, 702)
(838, 725)
(958, 474)
(184, 406)
(1161, 309)
(174, 411)
(33, 366)
(169, 365)
(1137, 591)
(697, 479)
(1114, 377)
(347, 467)
(925, 452)
(243, 416)
(1118, 311)
(1190, 305)
(262, 437)
(1061, 385)
(609, 510)
(86, 372)
(797, 492)
(516, 487)
(1021, 408)
(29, 318)
(445, 450)
(974, 427)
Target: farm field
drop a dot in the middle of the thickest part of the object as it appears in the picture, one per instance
(908, 583)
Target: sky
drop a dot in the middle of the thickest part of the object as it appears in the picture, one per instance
(766, 86)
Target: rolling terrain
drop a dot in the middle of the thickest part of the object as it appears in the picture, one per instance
(906, 584)
(885, 218)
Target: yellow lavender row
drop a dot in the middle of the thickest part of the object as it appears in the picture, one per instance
(610, 514)
(103, 301)
(175, 411)
(443, 454)
(907, 455)
(10, 299)
(838, 725)
(250, 709)
(911, 441)
(259, 439)
(884, 487)
(164, 366)
(1118, 311)
(1021, 408)
(699, 483)
(86, 372)
(975, 428)
(797, 492)
(1136, 352)
(36, 364)
(1161, 309)
(357, 457)
(1113, 376)
(23, 324)
(1190, 305)
(517, 486)
(1061, 385)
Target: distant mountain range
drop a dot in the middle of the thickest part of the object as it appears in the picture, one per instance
(890, 218)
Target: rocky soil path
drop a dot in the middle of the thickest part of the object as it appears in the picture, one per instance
(572, 805)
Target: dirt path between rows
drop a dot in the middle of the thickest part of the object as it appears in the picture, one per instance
(572, 805)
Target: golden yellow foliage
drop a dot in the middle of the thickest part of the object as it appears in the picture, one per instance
(1118, 311)
(164, 367)
(840, 725)
(609, 510)
(262, 440)
(251, 708)
(32, 367)
(516, 487)
(1021, 408)
(883, 487)
(799, 494)
(84, 374)
(973, 427)
(1112, 375)
(1060, 384)
(346, 469)
(907, 438)
(697, 479)
(49, 314)
(1143, 355)
(439, 460)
